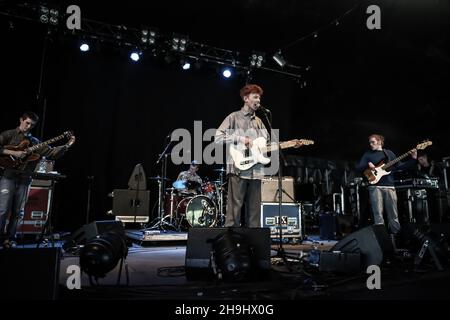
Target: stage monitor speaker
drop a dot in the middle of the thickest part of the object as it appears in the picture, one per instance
(269, 190)
(29, 273)
(373, 243)
(199, 249)
(92, 230)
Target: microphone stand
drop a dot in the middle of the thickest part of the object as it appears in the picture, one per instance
(162, 184)
(280, 251)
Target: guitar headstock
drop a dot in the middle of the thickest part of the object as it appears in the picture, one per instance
(68, 134)
(424, 144)
(302, 142)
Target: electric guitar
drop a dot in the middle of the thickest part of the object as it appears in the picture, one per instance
(381, 168)
(11, 162)
(246, 157)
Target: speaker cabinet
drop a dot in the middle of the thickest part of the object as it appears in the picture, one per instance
(92, 230)
(131, 205)
(199, 249)
(29, 273)
(269, 190)
(373, 243)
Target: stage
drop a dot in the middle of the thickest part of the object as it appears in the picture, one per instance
(157, 272)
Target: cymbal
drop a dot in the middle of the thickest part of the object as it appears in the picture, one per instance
(185, 184)
(158, 178)
(220, 170)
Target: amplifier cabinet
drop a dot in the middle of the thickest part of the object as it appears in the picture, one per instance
(269, 189)
(36, 211)
(291, 219)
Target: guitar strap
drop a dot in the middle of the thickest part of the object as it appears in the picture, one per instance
(387, 157)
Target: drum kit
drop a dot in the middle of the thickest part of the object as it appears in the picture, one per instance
(191, 204)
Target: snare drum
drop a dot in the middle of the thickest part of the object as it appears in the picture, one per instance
(199, 211)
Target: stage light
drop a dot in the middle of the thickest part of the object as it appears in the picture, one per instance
(226, 73)
(279, 59)
(148, 36)
(84, 47)
(101, 254)
(256, 60)
(44, 14)
(135, 56)
(186, 65)
(232, 256)
(179, 43)
(54, 14)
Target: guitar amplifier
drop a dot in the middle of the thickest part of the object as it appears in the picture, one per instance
(36, 211)
(291, 219)
(131, 205)
(269, 189)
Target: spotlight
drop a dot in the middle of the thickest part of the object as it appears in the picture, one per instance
(226, 73)
(135, 56)
(101, 254)
(256, 60)
(232, 256)
(179, 43)
(186, 65)
(84, 47)
(279, 59)
(44, 15)
(148, 36)
(54, 16)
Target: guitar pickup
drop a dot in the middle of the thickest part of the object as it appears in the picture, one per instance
(246, 162)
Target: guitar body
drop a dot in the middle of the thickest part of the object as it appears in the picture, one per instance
(10, 162)
(374, 175)
(244, 158)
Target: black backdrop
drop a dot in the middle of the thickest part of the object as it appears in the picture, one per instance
(393, 81)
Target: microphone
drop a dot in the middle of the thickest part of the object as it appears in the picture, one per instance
(263, 109)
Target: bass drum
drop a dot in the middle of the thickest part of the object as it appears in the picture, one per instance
(199, 211)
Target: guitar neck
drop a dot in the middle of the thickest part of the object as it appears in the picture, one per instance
(396, 160)
(282, 145)
(44, 144)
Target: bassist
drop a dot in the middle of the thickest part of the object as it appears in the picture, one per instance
(14, 185)
(382, 195)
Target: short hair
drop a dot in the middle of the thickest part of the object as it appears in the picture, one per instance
(30, 114)
(250, 88)
(378, 137)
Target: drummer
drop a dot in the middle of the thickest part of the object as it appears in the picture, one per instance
(189, 181)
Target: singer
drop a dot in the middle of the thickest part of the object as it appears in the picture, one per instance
(242, 127)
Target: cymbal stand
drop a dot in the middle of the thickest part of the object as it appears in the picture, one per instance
(220, 192)
(162, 186)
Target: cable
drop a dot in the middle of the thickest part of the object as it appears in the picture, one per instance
(315, 33)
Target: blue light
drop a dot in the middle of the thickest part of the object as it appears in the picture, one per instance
(84, 47)
(226, 73)
(134, 56)
(186, 66)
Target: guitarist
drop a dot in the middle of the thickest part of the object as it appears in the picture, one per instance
(14, 185)
(241, 127)
(383, 194)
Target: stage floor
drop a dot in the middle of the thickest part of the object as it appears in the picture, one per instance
(157, 272)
